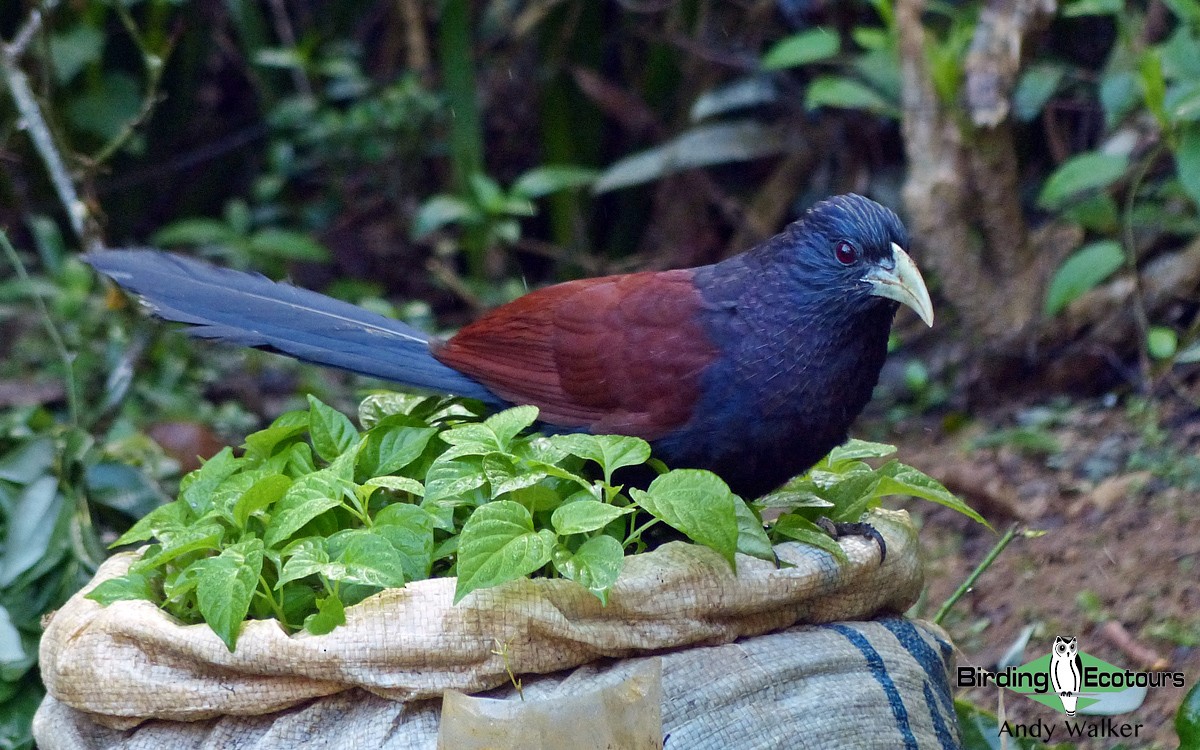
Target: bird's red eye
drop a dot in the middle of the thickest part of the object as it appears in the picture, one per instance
(846, 253)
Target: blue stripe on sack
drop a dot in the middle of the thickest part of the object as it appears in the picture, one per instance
(880, 673)
(948, 739)
(935, 667)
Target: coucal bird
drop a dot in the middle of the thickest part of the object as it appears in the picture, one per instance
(753, 367)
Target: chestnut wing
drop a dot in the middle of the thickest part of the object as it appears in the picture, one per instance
(621, 354)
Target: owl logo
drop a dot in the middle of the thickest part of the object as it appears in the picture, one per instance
(1066, 671)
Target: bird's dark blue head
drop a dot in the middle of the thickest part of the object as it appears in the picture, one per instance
(853, 248)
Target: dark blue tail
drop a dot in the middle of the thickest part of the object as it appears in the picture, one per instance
(250, 309)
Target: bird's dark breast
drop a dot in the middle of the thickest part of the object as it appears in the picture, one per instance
(793, 375)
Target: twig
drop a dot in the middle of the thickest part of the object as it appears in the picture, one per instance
(60, 346)
(417, 46)
(445, 274)
(39, 132)
(501, 650)
(971, 579)
(1141, 318)
(155, 64)
(283, 27)
(32, 24)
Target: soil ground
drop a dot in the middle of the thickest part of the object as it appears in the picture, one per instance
(1115, 487)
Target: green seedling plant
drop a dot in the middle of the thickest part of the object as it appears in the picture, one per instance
(842, 487)
(491, 215)
(316, 515)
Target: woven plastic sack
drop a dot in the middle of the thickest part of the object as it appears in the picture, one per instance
(858, 685)
(130, 662)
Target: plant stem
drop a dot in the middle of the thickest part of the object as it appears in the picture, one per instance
(1140, 317)
(636, 534)
(983, 565)
(264, 590)
(56, 339)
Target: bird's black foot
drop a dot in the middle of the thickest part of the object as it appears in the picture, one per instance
(839, 529)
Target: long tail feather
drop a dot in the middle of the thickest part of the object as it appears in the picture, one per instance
(250, 309)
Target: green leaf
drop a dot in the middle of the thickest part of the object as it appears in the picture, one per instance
(199, 537)
(28, 461)
(332, 432)
(498, 544)
(300, 461)
(1181, 54)
(855, 449)
(853, 494)
(396, 484)
(1118, 95)
(197, 488)
(303, 558)
(330, 614)
(227, 493)
(391, 448)
(201, 232)
(1187, 161)
(108, 105)
(699, 504)
(505, 475)
(1097, 213)
(610, 451)
(1079, 8)
(454, 479)
(287, 425)
(14, 658)
(409, 528)
(367, 558)
(870, 38)
(1187, 11)
(847, 93)
(801, 49)
(261, 495)
(1187, 719)
(73, 50)
(1081, 272)
(493, 435)
(738, 94)
(378, 406)
(583, 516)
(706, 145)
(596, 565)
(800, 529)
(1162, 342)
(226, 586)
(307, 498)
(488, 193)
(441, 210)
(131, 586)
(286, 244)
(1154, 85)
(798, 493)
(752, 537)
(121, 487)
(1080, 174)
(551, 178)
(1038, 83)
(178, 584)
(30, 527)
(898, 479)
(172, 517)
(1183, 102)
(509, 423)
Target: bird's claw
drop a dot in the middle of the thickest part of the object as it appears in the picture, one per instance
(839, 529)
